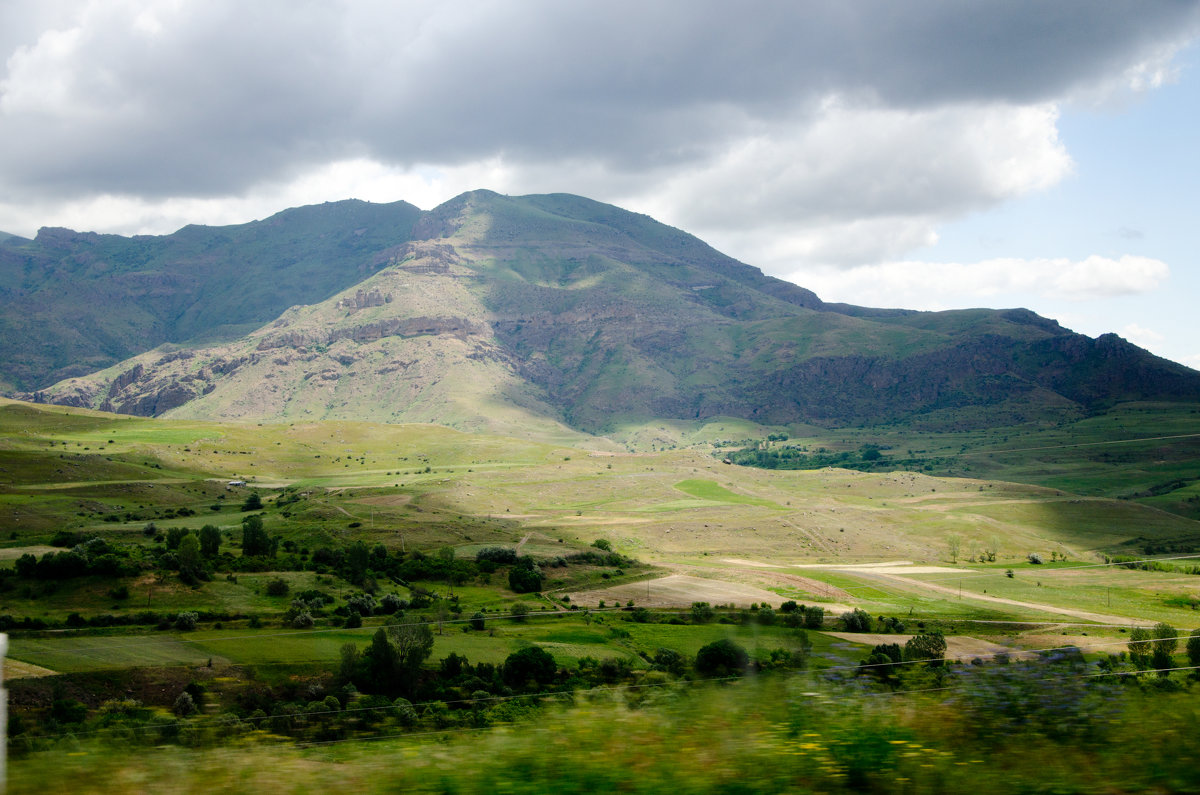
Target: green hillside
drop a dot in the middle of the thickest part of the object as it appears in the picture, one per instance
(73, 302)
(556, 316)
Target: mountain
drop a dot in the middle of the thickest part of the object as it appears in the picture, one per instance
(555, 313)
(72, 303)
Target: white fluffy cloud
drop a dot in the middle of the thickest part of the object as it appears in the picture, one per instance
(940, 285)
(813, 139)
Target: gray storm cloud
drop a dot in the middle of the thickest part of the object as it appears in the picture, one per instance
(823, 116)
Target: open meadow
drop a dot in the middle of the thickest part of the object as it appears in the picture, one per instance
(263, 571)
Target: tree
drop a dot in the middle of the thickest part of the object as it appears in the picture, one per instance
(392, 661)
(1165, 642)
(1139, 646)
(253, 502)
(27, 566)
(525, 577)
(953, 544)
(882, 659)
(413, 642)
(702, 613)
(992, 548)
(670, 661)
(175, 536)
(186, 621)
(210, 541)
(380, 664)
(184, 705)
(477, 622)
(1193, 648)
(191, 567)
(1166, 637)
(530, 664)
(814, 617)
(351, 660)
(255, 541)
(722, 658)
(358, 557)
(857, 620)
(930, 647)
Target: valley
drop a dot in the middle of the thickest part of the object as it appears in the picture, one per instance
(518, 460)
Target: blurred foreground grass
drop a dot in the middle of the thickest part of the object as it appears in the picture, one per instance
(1029, 728)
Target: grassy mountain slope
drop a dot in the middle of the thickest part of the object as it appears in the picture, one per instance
(535, 314)
(72, 303)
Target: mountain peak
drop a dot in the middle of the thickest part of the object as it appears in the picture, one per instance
(545, 313)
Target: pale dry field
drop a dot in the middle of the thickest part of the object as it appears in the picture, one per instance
(958, 647)
(680, 590)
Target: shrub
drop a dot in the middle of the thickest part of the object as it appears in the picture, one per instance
(278, 588)
(303, 620)
(390, 603)
(702, 613)
(499, 555)
(670, 661)
(365, 604)
(186, 621)
(533, 663)
(722, 658)
(525, 577)
(931, 647)
(857, 620)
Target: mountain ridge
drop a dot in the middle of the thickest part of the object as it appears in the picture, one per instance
(557, 314)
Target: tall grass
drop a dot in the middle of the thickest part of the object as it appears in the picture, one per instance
(762, 735)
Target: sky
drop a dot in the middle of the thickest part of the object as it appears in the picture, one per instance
(929, 154)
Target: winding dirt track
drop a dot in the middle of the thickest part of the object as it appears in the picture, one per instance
(1099, 618)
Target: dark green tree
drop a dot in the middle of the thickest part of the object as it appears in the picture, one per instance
(175, 536)
(191, 565)
(253, 502)
(670, 661)
(1140, 647)
(525, 577)
(358, 557)
(1193, 647)
(530, 664)
(255, 541)
(1165, 642)
(814, 617)
(210, 541)
(349, 668)
(722, 658)
(930, 647)
(857, 620)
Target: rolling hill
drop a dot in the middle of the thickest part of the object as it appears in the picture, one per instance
(552, 315)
